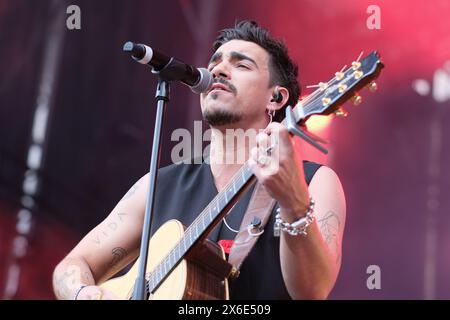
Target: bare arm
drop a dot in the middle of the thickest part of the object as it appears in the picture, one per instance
(310, 264)
(107, 248)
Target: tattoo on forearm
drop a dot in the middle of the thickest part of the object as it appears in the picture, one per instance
(66, 283)
(87, 277)
(118, 255)
(111, 227)
(329, 227)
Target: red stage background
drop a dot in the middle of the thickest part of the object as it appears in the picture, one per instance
(390, 153)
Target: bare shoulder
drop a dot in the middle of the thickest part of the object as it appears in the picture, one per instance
(326, 183)
(135, 197)
(330, 208)
(113, 243)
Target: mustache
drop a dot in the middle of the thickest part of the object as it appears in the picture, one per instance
(226, 83)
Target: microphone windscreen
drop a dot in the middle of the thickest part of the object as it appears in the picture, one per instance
(205, 82)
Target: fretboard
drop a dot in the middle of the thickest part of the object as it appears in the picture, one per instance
(202, 225)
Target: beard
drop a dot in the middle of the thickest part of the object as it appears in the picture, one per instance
(221, 117)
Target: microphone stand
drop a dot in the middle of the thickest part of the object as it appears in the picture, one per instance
(174, 70)
(162, 98)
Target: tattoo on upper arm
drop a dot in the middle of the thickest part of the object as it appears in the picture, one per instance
(329, 227)
(118, 255)
(111, 227)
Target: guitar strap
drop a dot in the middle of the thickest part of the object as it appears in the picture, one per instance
(260, 207)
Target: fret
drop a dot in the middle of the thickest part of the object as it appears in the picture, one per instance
(159, 274)
(248, 172)
(153, 279)
(168, 265)
(203, 220)
(234, 186)
(222, 202)
(210, 215)
(226, 199)
(244, 175)
(196, 229)
(164, 266)
(217, 205)
(172, 254)
(151, 283)
(159, 277)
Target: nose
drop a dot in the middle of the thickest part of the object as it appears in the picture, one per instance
(221, 70)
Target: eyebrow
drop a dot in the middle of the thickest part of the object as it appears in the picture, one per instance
(215, 57)
(234, 56)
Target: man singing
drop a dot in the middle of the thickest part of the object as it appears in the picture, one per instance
(254, 81)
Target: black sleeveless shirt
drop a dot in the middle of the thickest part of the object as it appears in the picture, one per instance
(184, 190)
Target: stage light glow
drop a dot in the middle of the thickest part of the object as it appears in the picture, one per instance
(318, 124)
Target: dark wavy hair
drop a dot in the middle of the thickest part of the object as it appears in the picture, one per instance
(283, 71)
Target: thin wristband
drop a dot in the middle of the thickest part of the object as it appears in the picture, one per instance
(78, 291)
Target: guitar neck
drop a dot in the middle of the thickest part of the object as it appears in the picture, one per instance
(222, 203)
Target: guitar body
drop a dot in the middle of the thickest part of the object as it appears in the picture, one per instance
(201, 275)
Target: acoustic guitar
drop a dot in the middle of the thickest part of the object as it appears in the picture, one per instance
(183, 263)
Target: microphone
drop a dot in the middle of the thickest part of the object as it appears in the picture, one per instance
(199, 79)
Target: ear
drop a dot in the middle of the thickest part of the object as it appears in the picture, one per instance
(277, 105)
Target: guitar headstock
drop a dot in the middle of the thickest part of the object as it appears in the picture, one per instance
(344, 86)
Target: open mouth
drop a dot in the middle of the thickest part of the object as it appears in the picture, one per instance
(218, 87)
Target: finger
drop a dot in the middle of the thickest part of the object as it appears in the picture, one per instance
(262, 140)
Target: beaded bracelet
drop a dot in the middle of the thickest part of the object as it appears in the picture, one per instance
(297, 227)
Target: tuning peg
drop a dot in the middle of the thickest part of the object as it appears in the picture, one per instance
(356, 65)
(326, 101)
(372, 86)
(339, 75)
(341, 113)
(322, 86)
(356, 99)
(358, 74)
(342, 87)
